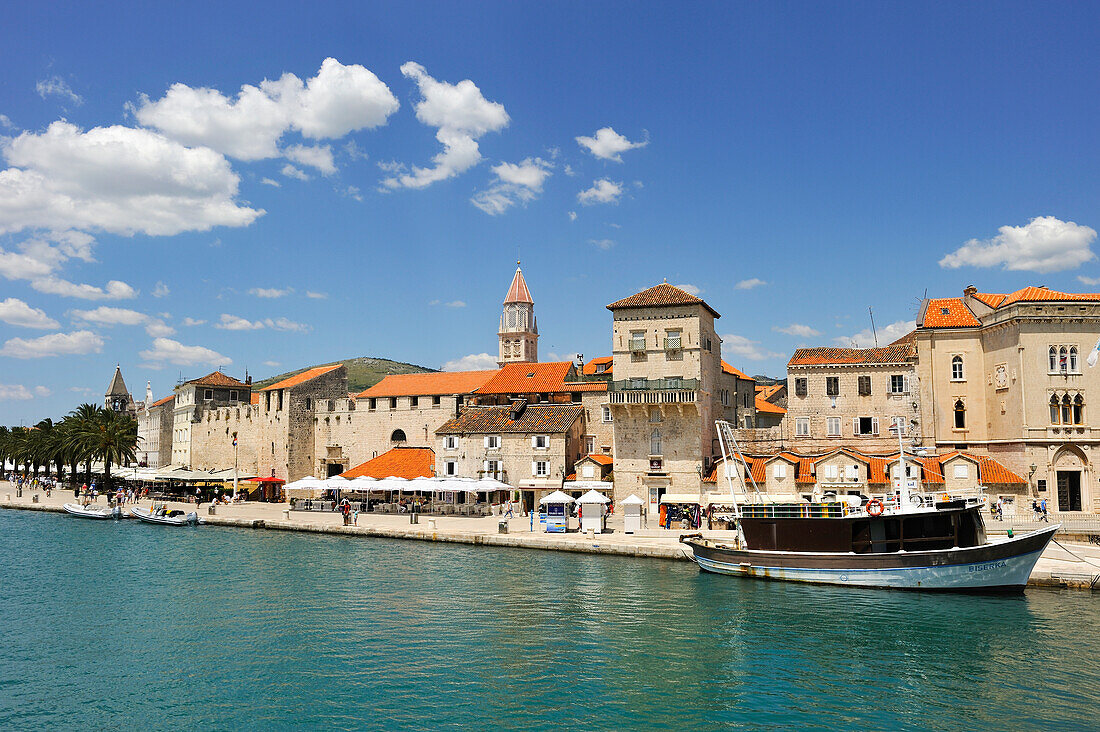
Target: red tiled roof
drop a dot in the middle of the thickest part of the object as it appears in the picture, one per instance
(255, 397)
(217, 378)
(518, 292)
(948, 312)
(933, 470)
(431, 384)
(586, 385)
(531, 378)
(897, 352)
(763, 405)
(993, 301)
(536, 418)
(1042, 294)
(726, 368)
(993, 472)
(599, 458)
(399, 462)
(877, 470)
(663, 294)
(767, 391)
(302, 377)
(165, 400)
(590, 367)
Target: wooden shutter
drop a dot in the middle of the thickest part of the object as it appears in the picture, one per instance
(855, 426)
(874, 425)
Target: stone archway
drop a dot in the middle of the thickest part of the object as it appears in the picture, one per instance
(1069, 484)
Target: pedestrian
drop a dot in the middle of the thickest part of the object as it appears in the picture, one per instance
(198, 498)
(508, 511)
(1043, 510)
(1000, 509)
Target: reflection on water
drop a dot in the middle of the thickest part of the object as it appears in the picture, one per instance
(121, 625)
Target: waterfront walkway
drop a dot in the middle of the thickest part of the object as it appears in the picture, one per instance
(1074, 565)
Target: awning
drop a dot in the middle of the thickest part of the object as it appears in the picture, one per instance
(691, 498)
(593, 497)
(587, 485)
(556, 497)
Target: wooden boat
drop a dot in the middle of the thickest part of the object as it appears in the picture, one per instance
(93, 512)
(165, 516)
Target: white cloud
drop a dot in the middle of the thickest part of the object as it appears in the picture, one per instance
(568, 170)
(461, 115)
(56, 344)
(57, 87)
(174, 352)
(338, 100)
(271, 182)
(514, 183)
(1090, 281)
(604, 244)
(42, 391)
(316, 156)
(745, 348)
(191, 322)
(350, 192)
(272, 364)
(159, 329)
(286, 325)
(111, 316)
(291, 172)
(1045, 244)
(235, 322)
(456, 304)
(115, 179)
(316, 295)
(161, 290)
(114, 290)
(16, 312)
(269, 292)
(572, 215)
(6, 122)
(14, 392)
(797, 329)
(749, 284)
(472, 362)
(886, 334)
(691, 289)
(602, 191)
(608, 144)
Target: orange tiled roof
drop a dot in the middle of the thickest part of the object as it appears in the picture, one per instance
(590, 367)
(726, 368)
(399, 462)
(663, 294)
(1042, 294)
(898, 352)
(767, 391)
(536, 418)
(303, 377)
(993, 301)
(948, 312)
(431, 384)
(599, 458)
(518, 292)
(531, 378)
(165, 400)
(763, 405)
(756, 470)
(877, 470)
(217, 378)
(255, 397)
(993, 472)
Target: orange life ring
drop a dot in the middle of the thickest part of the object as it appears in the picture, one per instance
(874, 507)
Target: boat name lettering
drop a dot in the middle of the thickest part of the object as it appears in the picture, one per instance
(987, 567)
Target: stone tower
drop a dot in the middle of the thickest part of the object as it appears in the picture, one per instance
(519, 334)
(117, 398)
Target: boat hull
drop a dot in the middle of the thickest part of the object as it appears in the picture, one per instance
(143, 514)
(99, 514)
(997, 567)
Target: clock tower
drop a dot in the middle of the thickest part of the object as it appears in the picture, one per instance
(519, 333)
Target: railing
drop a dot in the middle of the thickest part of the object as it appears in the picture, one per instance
(501, 475)
(637, 344)
(654, 385)
(672, 396)
(672, 344)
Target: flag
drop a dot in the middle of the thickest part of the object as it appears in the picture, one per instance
(1094, 355)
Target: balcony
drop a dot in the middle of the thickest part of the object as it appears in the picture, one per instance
(653, 391)
(501, 475)
(673, 344)
(637, 345)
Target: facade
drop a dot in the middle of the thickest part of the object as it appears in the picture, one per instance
(287, 448)
(154, 447)
(1005, 376)
(519, 333)
(194, 401)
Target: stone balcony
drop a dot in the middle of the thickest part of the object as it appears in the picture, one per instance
(653, 391)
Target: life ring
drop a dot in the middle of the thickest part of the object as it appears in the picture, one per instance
(874, 507)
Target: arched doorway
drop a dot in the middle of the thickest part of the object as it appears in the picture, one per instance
(334, 469)
(398, 436)
(1070, 467)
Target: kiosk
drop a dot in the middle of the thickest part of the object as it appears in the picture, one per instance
(557, 512)
(632, 513)
(592, 511)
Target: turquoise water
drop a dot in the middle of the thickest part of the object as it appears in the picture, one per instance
(130, 626)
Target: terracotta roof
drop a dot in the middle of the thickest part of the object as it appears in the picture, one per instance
(590, 367)
(432, 384)
(585, 385)
(757, 470)
(993, 472)
(933, 471)
(663, 294)
(536, 418)
(948, 312)
(165, 400)
(531, 378)
(993, 301)
(877, 470)
(897, 352)
(400, 462)
(518, 292)
(599, 458)
(255, 397)
(736, 372)
(1042, 294)
(217, 378)
(763, 405)
(303, 377)
(767, 391)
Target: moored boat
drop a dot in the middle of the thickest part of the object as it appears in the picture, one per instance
(165, 516)
(93, 512)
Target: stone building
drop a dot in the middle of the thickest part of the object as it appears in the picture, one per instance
(519, 333)
(1004, 375)
(287, 448)
(154, 447)
(118, 398)
(851, 397)
(194, 401)
(530, 446)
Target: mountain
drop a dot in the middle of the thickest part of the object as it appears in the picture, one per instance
(363, 372)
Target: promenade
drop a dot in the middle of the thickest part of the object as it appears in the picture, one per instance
(1074, 566)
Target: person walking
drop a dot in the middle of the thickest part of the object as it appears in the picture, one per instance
(1043, 511)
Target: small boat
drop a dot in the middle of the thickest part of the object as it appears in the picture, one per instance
(166, 516)
(905, 540)
(93, 512)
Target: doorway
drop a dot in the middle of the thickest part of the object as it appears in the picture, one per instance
(1069, 490)
(334, 469)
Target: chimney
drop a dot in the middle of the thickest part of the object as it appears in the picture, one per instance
(970, 291)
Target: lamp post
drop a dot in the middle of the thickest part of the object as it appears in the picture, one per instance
(234, 466)
(1031, 473)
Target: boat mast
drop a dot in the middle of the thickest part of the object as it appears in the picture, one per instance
(728, 444)
(903, 482)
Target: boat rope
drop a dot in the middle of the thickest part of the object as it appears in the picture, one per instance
(1068, 551)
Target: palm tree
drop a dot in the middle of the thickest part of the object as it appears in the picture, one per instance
(5, 447)
(111, 437)
(49, 445)
(78, 436)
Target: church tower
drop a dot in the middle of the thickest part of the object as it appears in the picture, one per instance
(519, 334)
(117, 398)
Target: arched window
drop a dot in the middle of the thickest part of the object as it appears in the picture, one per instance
(957, 368)
(655, 442)
(1078, 409)
(512, 317)
(960, 415)
(1053, 356)
(1062, 359)
(398, 436)
(654, 415)
(1067, 410)
(1073, 359)
(1054, 410)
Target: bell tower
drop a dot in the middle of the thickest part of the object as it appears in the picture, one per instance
(519, 333)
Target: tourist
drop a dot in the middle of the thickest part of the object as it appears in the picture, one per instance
(508, 513)
(1043, 510)
(198, 498)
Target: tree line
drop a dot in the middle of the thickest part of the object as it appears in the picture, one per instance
(86, 435)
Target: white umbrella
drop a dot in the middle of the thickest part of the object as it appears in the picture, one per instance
(632, 500)
(488, 485)
(337, 483)
(593, 497)
(556, 497)
(363, 483)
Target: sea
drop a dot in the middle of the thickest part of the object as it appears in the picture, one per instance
(128, 626)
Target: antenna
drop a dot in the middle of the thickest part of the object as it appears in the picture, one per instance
(873, 331)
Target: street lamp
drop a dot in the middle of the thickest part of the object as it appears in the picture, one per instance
(1031, 473)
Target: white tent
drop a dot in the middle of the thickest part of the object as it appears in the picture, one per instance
(309, 487)
(632, 500)
(593, 497)
(556, 497)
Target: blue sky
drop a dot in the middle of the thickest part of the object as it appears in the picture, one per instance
(171, 200)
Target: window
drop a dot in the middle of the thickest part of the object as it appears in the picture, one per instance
(414, 401)
(1063, 359)
(398, 436)
(1055, 411)
(865, 426)
(589, 444)
(864, 385)
(1078, 409)
(654, 415)
(961, 471)
(960, 415)
(233, 396)
(745, 399)
(540, 442)
(208, 394)
(637, 383)
(309, 403)
(492, 442)
(1067, 410)
(672, 340)
(832, 425)
(830, 472)
(748, 422)
(898, 425)
(802, 427)
(540, 468)
(372, 404)
(450, 442)
(852, 472)
(800, 387)
(655, 442)
(779, 470)
(280, 400)
(956, 368)
(637, 340)
(436, 401)
(607, 414)
(393, 403)
(601, 367)
(1052, 357)
(899, 384)
(450, 467)
(832, 385)
(1073, 359)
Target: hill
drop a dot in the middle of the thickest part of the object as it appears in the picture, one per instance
(363, 372)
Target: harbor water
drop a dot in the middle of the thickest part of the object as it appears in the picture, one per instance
(120, 625)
